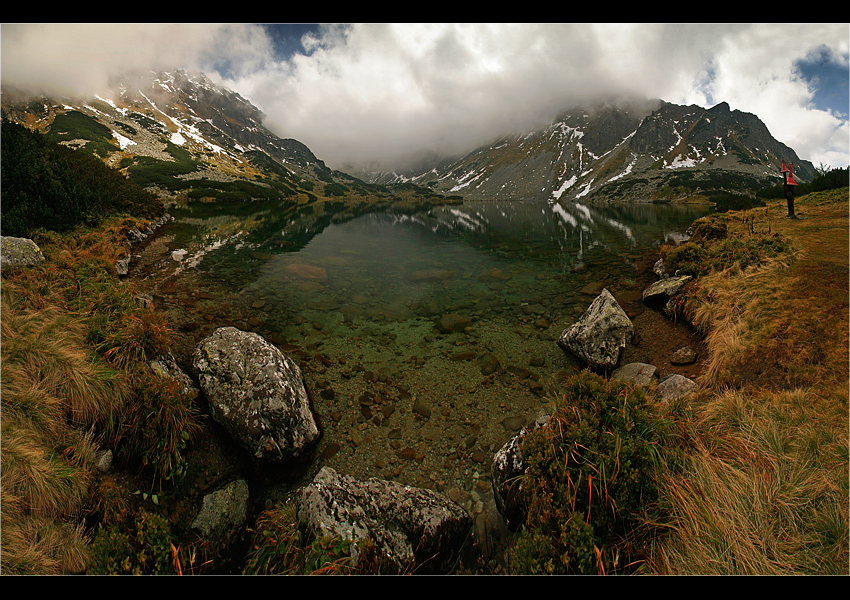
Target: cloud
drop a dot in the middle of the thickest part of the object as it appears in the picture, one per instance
(382, 92)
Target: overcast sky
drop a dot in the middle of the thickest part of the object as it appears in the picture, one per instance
(383, 91)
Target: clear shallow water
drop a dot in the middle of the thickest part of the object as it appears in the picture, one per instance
(356, 301)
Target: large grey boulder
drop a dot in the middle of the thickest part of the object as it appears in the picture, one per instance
(256, 393)
(418, 529)
(600, 334)
(19, 252)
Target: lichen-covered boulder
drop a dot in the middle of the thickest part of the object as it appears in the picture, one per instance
(600, 334)
(19, 252)
(420, 530)
(166, 366)
(256, 393)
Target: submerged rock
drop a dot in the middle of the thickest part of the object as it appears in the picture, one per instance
(418, 529)
(256, 393)
(306, 271)
(452, 323)
(600, 334)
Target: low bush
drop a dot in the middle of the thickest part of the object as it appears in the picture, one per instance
(590, 481)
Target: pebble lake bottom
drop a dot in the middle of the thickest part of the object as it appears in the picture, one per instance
(426, 340)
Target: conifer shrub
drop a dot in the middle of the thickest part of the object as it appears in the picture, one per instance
(590, 482)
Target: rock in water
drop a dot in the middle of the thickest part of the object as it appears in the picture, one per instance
(600, 334)
(640, 373)
(305, 271)
(417, 528)
(256, 393)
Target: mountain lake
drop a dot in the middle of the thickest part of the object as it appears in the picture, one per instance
(426, 340)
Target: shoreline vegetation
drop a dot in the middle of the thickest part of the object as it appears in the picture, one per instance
(749, 476)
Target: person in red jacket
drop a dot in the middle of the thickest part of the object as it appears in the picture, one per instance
(788, 175)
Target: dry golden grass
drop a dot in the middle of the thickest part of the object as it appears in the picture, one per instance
(74, 353)
(55, 392)
(763, 488)
(49, 389)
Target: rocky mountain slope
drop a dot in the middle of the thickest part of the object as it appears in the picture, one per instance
(639, 150)
(179, 133)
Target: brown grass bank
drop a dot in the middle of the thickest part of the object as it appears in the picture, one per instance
(760, 485)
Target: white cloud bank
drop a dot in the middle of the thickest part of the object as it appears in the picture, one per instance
(382, 91)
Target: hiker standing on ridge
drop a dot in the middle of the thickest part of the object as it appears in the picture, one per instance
(788, 175)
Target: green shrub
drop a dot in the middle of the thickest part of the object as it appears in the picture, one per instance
(686, 259)
(590, 480)
(141, 547)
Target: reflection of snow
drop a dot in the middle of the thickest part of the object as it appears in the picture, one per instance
(623, 228)
(583, 210)
(559, 210)
(466, 220)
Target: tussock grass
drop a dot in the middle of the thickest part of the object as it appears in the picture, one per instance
(50, 389)
(734, 311)
(758, 494)
(74, 380)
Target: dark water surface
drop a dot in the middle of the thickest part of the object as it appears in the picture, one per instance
(357, 302)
